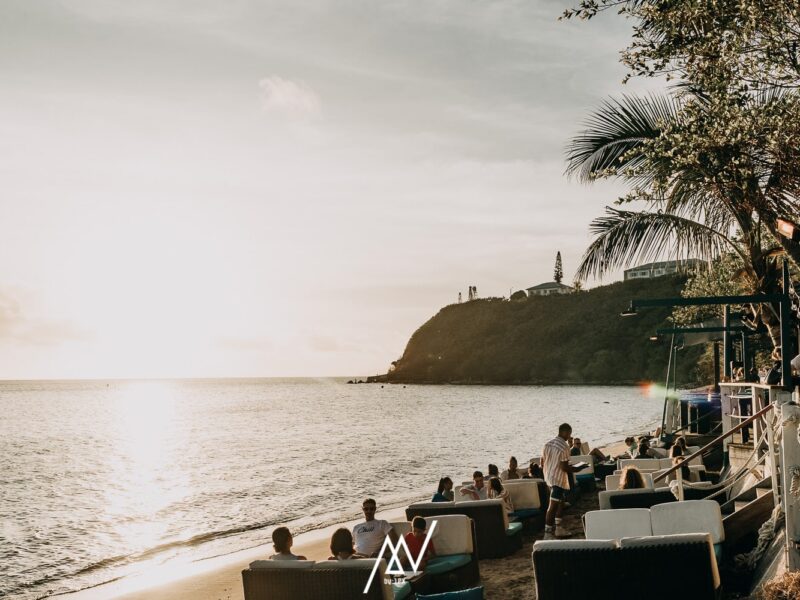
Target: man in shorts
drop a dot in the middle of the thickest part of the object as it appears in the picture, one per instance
(556, 467)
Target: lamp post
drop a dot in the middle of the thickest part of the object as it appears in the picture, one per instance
(783, 300)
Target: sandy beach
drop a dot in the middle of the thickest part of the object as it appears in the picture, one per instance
(508, 578)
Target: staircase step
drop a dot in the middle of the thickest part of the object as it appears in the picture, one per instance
(740, 504)
(762, 491)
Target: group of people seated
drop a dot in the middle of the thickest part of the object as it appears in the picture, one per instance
(631, 478)
(365, 540)
(479, 490)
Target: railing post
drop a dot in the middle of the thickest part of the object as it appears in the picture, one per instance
(790, 453)
(679, 474)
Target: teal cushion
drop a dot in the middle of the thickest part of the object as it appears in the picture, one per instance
(525, 513)
(470, 594)
(444, 564)
(718, 552)
(401, 590)
(513, 529)
(585, 477)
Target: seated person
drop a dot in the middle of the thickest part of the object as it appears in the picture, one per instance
(493, 471)
(631, 479)
(596, 454)
(415, 539)
(497, 491)
(632, 446)
(681, 442)
(643, 449)
(444, 493)
(477, 491)
(282, 542)
(370, 534)
(512, 472)
(534, 471)
(677, 456)
(342, 546)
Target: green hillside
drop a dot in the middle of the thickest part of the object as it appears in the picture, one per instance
(575, 338)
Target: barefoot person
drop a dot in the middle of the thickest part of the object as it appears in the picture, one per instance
(556, 467)
(370, 534)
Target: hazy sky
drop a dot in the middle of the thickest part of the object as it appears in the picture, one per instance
(265, 188)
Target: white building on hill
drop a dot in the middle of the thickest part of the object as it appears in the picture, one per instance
(659, 269)
(548, 289)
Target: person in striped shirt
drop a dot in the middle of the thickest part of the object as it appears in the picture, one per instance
(556, 467)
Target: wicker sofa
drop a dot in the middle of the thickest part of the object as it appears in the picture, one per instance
(629, 569)
(327, 580)
(495, 536)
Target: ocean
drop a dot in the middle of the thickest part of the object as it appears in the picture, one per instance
(102, 480)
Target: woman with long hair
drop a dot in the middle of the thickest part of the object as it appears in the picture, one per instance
(444, 493)
(631, 479)
(497, 491)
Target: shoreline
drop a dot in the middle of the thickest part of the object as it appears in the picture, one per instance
(219, 577)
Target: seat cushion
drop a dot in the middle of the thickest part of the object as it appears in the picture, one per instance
(513, 528)
(616, 524)
(452, 534)
(444, 564)
(401, 591)
(690, 516)
(524, 493)
(470, 594)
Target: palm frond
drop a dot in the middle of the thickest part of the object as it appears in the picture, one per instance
(624, 237)
(618, 127)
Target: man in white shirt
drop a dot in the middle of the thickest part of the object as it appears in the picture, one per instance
(556, 467)
(369, 535)
(477, 491)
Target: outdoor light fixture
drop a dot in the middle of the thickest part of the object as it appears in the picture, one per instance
(789, 230)
(629, 312)
(653, 338)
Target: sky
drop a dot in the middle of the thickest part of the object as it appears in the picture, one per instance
(269, 188)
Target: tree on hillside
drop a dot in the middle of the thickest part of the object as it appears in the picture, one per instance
(706, 192)
(558, 272)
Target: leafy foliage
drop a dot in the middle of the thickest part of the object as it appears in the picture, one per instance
(558, 271)
(574, 338)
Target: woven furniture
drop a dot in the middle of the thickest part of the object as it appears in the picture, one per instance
(328, 580)
(495, 536)
(652, 567)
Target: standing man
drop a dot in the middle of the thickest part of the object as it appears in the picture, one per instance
(369, 535)
(556, 467)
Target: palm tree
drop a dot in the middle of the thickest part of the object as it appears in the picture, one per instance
(705, 192)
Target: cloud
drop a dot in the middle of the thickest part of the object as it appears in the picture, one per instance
(16, 326)
(288, 97)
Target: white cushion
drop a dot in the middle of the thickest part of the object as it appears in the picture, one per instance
(583, 458)
(281, 564)
(401, 527)
(544, 545)
(643, 464)
(524, 493)
(452, 534)
(353, 563)
(691, 516)
(615, 524)
(659, 452)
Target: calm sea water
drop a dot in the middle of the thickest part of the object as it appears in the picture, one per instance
(101, 480)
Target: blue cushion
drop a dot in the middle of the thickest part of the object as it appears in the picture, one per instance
(525, 513)
(513, 528)
(585, 477)
(401, 590)
(444, 564)
(718, 552)
(470, 594)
